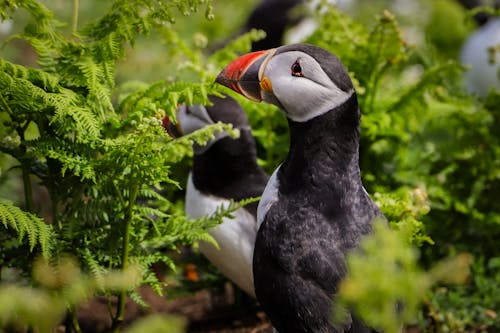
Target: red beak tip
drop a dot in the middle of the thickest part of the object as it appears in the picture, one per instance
(165, 122)
(234, 75)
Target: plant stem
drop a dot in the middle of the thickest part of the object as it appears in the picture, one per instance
(120, 309)
(6, 106)
(28, 190)
(72, 324)
(75, 17)
(26, 170)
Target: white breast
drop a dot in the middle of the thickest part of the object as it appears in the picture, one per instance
(269, 197)
(236, 237)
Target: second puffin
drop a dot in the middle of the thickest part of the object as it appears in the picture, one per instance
(314, 209)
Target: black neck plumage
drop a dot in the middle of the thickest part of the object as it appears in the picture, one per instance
(325, 146)
(229, 169)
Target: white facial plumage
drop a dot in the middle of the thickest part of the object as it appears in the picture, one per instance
(193, 118)
(304, 96)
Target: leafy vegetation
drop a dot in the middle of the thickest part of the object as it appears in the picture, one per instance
(103, 162)
(430, 155)
(82, 125)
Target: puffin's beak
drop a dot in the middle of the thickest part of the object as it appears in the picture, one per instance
(173, 130)
(245, 74)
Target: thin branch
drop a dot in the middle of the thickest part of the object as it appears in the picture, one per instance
(26, 171)
(129, 212)
(74, 27)
(72, 325)
(6, 106)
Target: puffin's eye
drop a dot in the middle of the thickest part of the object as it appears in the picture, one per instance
(296, 69)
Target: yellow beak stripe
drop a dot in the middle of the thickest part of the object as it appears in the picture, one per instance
(266, 85)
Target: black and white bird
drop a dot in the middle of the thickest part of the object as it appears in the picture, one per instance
(284, 21)
(274, 26)
(226, 168)
(481, 51)
(314, 209)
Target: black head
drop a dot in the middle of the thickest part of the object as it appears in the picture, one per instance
(191, 118)
(227, 110)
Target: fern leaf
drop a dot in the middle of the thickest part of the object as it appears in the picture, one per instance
(415, 91)
(93, 74)
(152, 194)
(39, 233)
(151, 212)
(136, 297)
(98, 272)
(240, 45)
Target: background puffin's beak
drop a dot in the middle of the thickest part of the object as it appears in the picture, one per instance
(173, 130)
(242, 75)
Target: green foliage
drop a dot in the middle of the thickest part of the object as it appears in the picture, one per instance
(103, 162)
(396, 286)
(447, 35)
(390, 297)
(429, 152)
(24, 224)
(403, 210)
(158, 324)
(429, 156)
(59, 285)
(471, 307)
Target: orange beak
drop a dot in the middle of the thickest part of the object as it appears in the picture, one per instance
(243, 74)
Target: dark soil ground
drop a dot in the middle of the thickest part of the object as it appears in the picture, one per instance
(208, 311)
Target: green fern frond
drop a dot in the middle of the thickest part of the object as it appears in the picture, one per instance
(150, 211)
(206, 237)
(85, 123)
(42, 22)
(97, 271)
(150, 193)
(38, 232)
(136, 297)
(67, 115)
(235, 48)
(386, 46)
(188, 93)
(431, 75)
(16, 71)
(48, 55)
(94, 78)
(109, 48)
(178, 229)
(181, 147)
(108, 69)
(131, 102)
(79, 165)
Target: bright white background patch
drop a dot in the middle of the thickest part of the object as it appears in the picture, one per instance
(483, 75)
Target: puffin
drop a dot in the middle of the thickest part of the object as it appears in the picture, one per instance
(274, 25)
(480, 52)
(481, 17)
(314, 209)
(225, 169)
